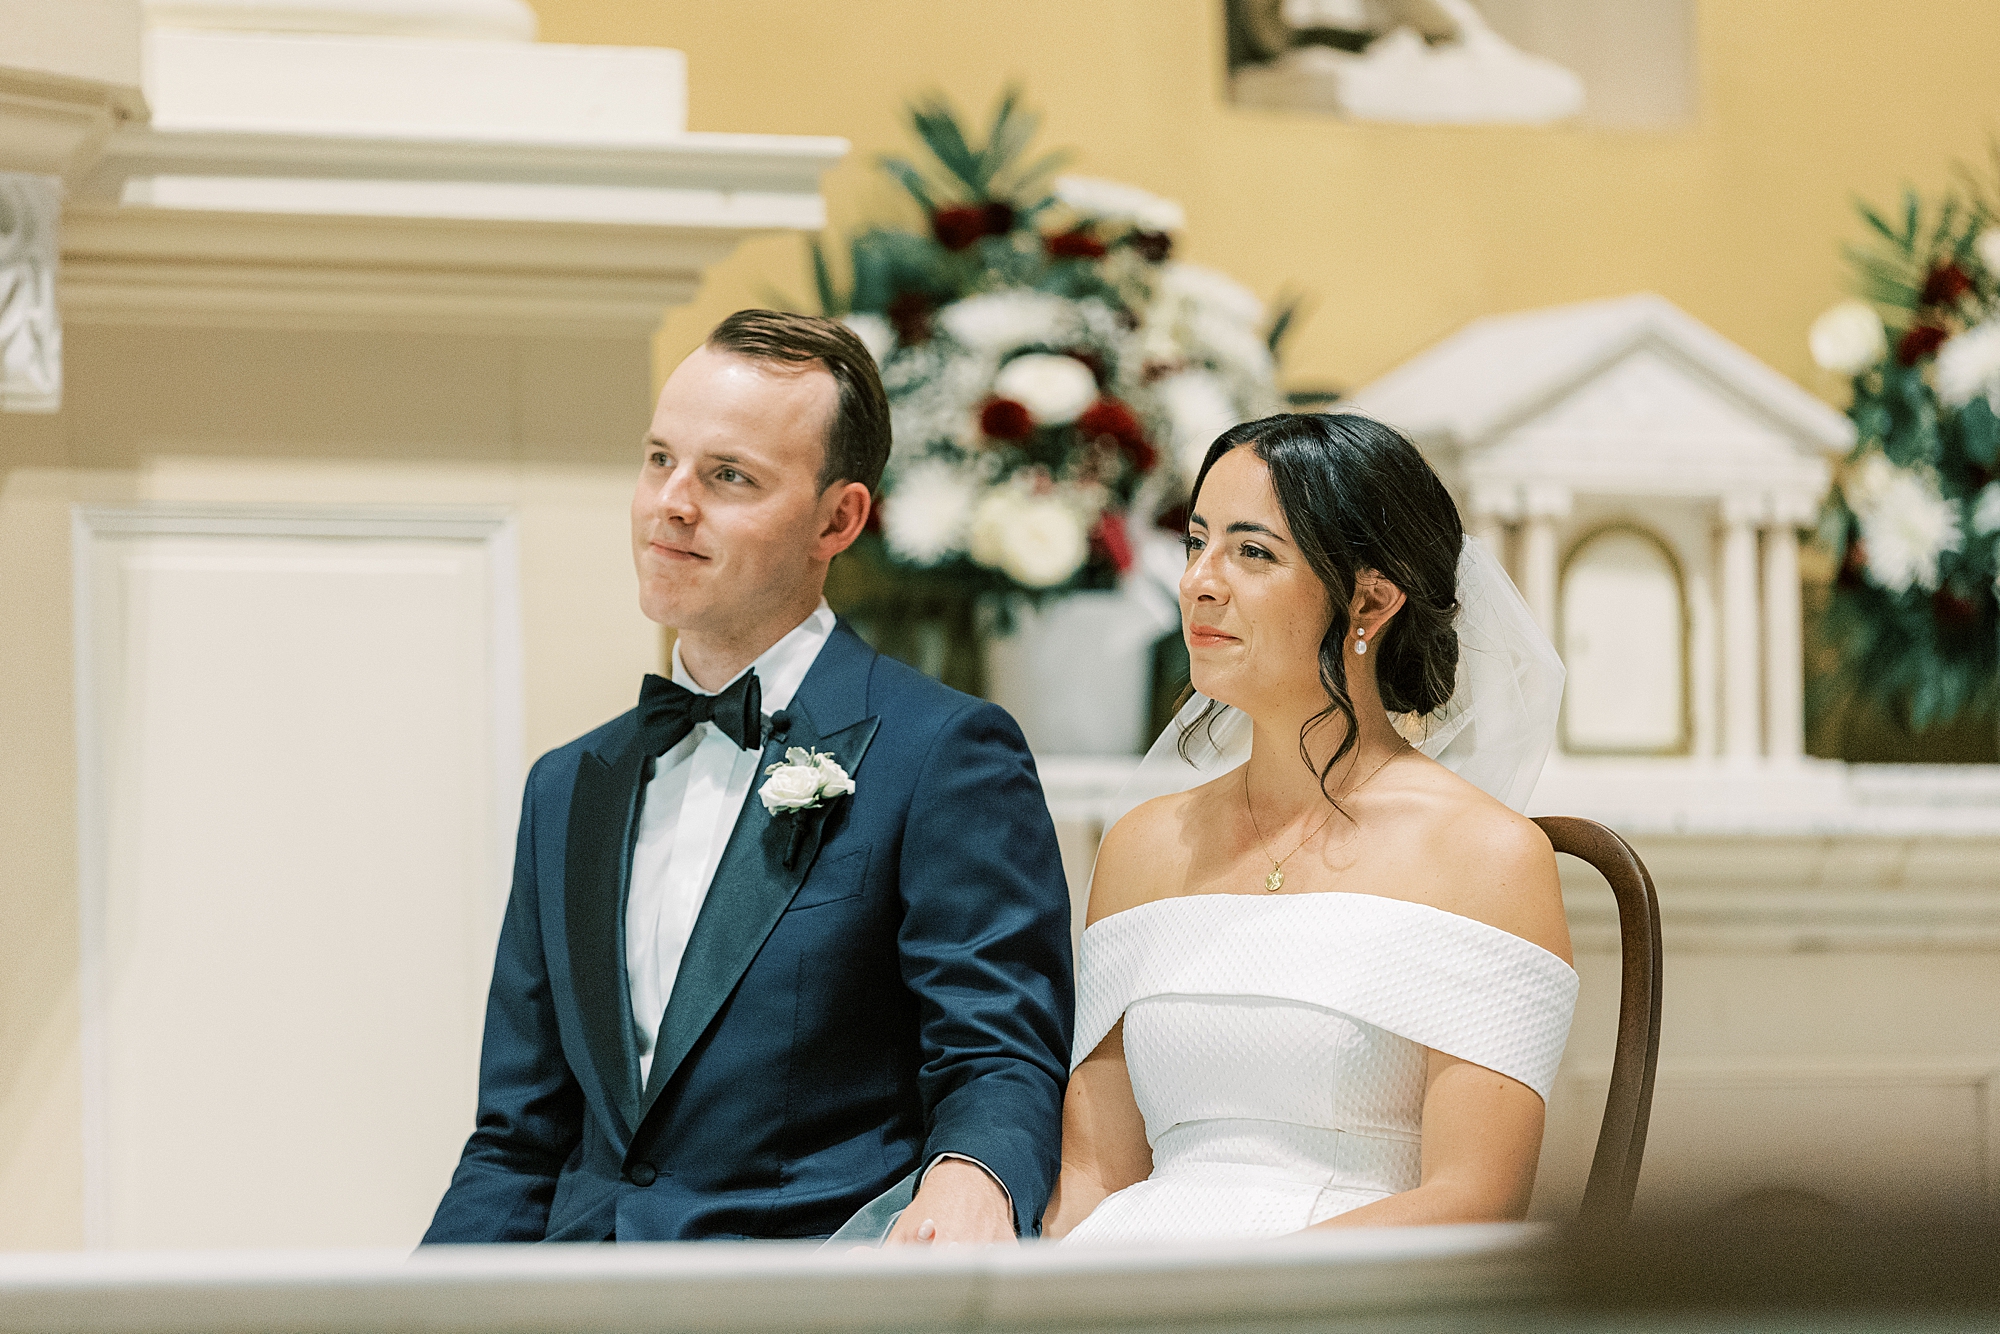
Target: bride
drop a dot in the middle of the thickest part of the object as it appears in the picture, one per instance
(1327, 986)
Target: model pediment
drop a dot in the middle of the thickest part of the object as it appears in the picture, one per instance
(1652, 421)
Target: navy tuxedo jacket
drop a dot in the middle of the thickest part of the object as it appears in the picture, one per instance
(868, 985)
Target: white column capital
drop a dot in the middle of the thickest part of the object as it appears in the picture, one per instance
(1752, 508)
(1547, 500)
(1496, 501)
(30, 329)
(1792, 510)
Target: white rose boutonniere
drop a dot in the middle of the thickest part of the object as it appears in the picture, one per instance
(805, 780)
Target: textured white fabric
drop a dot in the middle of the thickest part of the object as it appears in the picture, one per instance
(698, 789)
(1277, 1047)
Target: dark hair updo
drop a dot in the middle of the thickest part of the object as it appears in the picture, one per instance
(1358, 496)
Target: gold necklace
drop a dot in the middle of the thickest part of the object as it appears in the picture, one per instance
(1276, 880)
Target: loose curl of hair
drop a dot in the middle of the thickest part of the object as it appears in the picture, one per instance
(1358, 496)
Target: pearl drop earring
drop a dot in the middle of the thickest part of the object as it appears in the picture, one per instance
(1360, 644)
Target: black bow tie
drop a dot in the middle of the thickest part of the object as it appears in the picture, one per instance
(668, 712)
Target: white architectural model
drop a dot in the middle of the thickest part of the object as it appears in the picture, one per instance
(1646, 479)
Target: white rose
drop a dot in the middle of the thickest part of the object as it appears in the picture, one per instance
(833, 780)
(1114, 201)
(790, 787)
(1987, 247)
(1044, 544)
(1986, 514)
(1215, 293)
(991, 518)
(1905, 523)
(928, 510)
(1866, 478)
(1054, 389)
(1969, 364)
(876, 334)
(1848, 338)
(1199, 409)
(1001, 321)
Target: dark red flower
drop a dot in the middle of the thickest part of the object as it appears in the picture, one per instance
(1075, 244)
(1153, 247)
(998, 217)
(1110, 540)
(1952, 611)
(957, 226)
(1108, 417)
(1919, 342)
(910, 313)
(1854, 565)
(874, 524)
(1173, 520)
(1945, 285)
(1004, 419)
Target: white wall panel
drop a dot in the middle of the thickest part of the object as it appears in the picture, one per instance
(300, 752)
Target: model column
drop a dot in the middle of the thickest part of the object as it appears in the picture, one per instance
(1784, 659)
(1545, 505)
(1740, 686)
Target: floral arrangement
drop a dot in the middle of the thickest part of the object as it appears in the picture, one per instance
(1054, 374)
(1914, 521)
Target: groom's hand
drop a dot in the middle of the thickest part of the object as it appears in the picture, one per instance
(957, 1203)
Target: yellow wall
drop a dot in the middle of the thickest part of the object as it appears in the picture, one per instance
(1399, 234)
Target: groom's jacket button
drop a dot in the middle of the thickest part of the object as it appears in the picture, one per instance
(642, 1174)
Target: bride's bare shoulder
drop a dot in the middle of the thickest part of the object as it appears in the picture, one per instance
(1490, 862)
(1146, 854)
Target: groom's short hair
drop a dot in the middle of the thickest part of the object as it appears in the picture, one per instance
(857, 439)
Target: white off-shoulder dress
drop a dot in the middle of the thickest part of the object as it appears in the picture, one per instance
(1277, 1048)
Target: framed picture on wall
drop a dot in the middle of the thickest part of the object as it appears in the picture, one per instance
(1621, 63)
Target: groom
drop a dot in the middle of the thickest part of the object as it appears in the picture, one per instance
(731, 1002)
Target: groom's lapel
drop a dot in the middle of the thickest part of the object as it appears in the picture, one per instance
(603, 808)
(756, 880)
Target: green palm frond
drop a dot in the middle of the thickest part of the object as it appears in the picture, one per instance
(830, 300)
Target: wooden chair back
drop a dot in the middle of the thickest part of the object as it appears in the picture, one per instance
(1621, 1141)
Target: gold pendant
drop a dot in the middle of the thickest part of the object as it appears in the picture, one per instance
(1275, 881)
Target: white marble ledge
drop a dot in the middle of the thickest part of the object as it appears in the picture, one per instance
(1386, 1278)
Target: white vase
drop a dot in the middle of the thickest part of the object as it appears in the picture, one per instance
(1076, 672)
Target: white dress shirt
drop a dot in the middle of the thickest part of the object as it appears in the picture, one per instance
(690, 807)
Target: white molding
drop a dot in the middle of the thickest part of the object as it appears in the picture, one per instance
(51, 126)
(186, 268)
(141, 268)
(489, 20)
(492, 528)
(757, 163)
(1792, 921)
(329, 182)
(69, 76)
